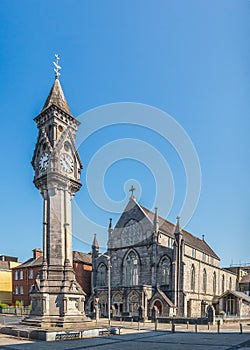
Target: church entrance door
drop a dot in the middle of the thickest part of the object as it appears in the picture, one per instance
(158, 305)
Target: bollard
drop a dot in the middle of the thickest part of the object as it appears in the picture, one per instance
(218, 326)
(196, 327)
(208, 325)
(156, 321)
(132, 320)
(138, 325)
(173, 327)
(240, 328)
(187, 324)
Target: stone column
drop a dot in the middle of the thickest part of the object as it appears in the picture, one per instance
(66, 225)
(45, 233)
(45, 225)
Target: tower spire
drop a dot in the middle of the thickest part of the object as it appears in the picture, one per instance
(95, 243)
(56, 96)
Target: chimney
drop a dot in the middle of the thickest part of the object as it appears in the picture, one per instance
(37, 252)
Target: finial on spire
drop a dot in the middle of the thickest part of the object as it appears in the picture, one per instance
(110, 224)
(132, 189)
(178, 225)
(57, 67)
(95, 244)
(156, 220)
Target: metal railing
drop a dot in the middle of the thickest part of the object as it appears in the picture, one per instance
(19, 311)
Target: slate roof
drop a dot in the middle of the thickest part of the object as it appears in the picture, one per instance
(239, 295)
(164, 296)
(31, 263)
(82, 257)
(56, 97)
(77, 257)
(168, 227)
(245, 279)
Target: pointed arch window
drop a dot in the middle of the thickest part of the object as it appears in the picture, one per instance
(230, 283)
(101, 275)
(214, 283)
(132, 269)
(165, 271)
(204, 282)
(192, 278)
(223, 284)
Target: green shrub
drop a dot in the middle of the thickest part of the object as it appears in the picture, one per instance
(2, 306)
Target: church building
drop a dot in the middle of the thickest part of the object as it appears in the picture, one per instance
(156, 268)
(152, 267)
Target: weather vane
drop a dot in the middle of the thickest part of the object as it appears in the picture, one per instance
(57, 67)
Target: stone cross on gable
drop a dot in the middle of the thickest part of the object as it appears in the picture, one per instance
(132, 189)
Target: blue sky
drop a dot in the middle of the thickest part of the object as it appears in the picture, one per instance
(189, 59)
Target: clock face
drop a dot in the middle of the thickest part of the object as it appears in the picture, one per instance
(67, 163)
(44, 162)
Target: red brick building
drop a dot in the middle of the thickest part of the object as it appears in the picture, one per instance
(82, 265)
(24, 275)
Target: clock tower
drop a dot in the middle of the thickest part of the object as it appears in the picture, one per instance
(57, 299)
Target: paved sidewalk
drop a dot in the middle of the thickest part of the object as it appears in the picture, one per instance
(146, 339)
(140, 341)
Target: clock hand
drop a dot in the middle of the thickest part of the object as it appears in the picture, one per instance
(68, 163)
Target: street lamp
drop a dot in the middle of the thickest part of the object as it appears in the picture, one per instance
(109, 285)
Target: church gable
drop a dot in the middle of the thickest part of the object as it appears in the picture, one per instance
(46, 147)
(159, 294)
(161, 305)
(66, 143)
(133, 227)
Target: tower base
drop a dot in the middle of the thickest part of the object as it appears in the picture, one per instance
(57, 303)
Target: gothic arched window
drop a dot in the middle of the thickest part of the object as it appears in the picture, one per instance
(132, 269)
(192, 278)
(230, 283)
(101, 275)
(165, 271)
(223, 284)
(204, 284)
(214, 283)
(132, 232)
